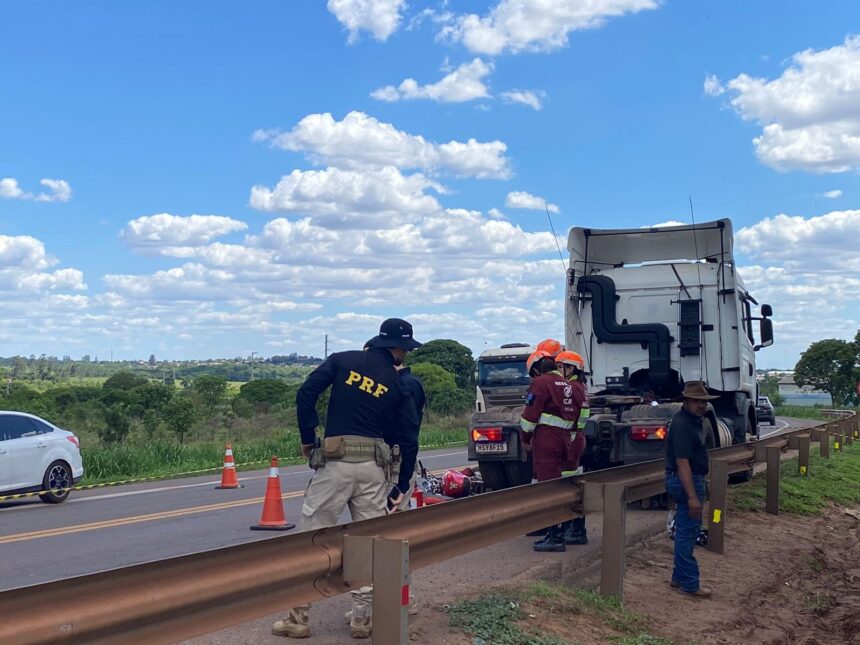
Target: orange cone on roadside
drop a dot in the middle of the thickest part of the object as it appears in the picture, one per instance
(228, 475)
(273, 518)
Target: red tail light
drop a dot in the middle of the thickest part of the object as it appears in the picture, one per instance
(487, 434)
(74, 440)
(648, 433)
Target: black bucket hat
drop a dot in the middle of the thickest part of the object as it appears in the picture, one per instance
(394, 332)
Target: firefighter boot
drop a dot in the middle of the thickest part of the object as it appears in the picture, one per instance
(295, 625)
(575, 532)
(553, 542)
(361, 619)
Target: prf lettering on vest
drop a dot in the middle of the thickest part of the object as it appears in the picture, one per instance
(367, 384)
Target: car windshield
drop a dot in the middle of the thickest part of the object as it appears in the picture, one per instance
(502, 373)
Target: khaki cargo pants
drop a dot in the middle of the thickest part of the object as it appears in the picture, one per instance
(363, 487)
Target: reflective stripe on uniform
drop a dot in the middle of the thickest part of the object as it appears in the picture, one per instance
(527, 425)
(584, 413)
(547, 419)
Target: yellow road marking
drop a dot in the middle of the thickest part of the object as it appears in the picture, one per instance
(124, 521)
(136, 519)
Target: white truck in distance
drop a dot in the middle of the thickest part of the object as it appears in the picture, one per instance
(648, 309)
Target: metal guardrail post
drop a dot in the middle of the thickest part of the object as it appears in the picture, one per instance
(612, 560)
(838, 439)
(717, 506)
(772, 498)
(824, 443)
(803, 455)
(857, 426)
(390, 591)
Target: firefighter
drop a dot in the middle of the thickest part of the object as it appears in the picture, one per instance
(550, 413)
(573, 368)
(549, 345)
(353, 462)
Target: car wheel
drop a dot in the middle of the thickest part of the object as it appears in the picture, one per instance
(56, 483)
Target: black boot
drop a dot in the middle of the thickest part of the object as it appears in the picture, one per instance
(575, 532)
(553, 542)
(541, 533)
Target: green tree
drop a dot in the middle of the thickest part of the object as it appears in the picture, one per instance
(179, 415)
(264, 393)
(150, 422)
(829, 365)
(440, 386)
(117, 425)
(124, 381)
(211, 390)
(450, 355)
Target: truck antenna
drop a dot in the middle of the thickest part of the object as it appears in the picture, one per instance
(555, 237)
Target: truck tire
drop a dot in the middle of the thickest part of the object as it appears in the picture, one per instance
(494, 474)
(519, 472)
(739, 478)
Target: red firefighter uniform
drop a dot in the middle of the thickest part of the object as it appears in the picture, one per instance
(552, 410)
(577, 436)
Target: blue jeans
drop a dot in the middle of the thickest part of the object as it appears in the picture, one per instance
(687, 529)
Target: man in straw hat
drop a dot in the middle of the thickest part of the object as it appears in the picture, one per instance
(686, 468)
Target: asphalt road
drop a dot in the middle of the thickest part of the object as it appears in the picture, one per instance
(106, 528)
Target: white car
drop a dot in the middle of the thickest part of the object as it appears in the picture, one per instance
(36, 455)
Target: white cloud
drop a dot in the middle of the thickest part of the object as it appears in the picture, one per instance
(807, 268)
(463, 84)
(521, 199)
(9, 188)
(831, 194)
(165, 232)
(360, 140)
(532, 98)
(23, 252)
(349, 198)
(535, 25)
(713, 86)
(380, 17)
(58, 190)
(810, 115)
(670, 222)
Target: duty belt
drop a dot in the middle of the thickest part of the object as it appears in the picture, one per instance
(358, 449)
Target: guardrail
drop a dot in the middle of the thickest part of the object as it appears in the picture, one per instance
(168, 600)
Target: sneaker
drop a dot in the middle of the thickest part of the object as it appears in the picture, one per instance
(701, 592)
(295, 625)
(360, 627)
(550, 544)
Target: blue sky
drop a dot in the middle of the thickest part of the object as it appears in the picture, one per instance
(375, 197)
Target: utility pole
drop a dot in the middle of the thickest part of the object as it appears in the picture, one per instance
(252, 365)
(326, 347)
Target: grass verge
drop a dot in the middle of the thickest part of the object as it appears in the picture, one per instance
(834, 480)
(166, 458)
(542, 613)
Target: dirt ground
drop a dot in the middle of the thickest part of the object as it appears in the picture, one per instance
(783, 579)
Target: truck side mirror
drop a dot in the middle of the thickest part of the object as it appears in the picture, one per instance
(765, 332)
(766, 311)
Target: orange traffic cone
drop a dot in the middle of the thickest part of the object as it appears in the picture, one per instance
(273, 518)
(228, 475)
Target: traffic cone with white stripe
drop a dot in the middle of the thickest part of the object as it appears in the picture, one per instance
(273, 518)
(228, 475)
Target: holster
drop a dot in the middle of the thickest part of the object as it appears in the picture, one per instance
(317, 458)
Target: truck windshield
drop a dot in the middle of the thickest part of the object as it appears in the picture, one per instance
(502, 373)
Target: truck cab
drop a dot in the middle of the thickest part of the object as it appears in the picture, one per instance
(650, 309)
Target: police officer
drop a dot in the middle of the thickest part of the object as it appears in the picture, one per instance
(353, 461)
(551, 412)
(573, 368)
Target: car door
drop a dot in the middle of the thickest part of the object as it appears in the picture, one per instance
(25, 448)
(5, 461)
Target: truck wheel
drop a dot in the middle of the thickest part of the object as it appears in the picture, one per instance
(739, 478)
(519, 472)
(493, 474)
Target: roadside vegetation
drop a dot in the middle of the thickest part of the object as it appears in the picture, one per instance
(543, 613)
(829, 481)
(133, 424)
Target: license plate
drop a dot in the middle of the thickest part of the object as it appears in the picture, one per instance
(484, 448)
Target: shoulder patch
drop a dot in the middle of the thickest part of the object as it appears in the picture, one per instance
(530, 398)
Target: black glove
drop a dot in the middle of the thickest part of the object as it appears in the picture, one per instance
(393, 495)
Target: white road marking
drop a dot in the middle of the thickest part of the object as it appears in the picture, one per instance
(91, 498)
(784, 425)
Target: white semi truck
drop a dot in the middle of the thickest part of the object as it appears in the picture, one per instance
(648, 309)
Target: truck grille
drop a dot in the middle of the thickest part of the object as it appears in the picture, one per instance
(505, 399)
